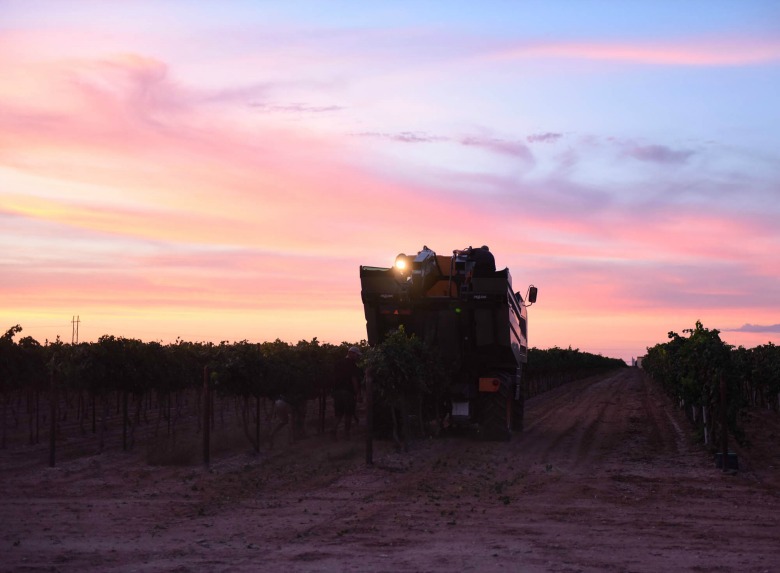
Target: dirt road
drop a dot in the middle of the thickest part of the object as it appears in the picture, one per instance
(604, 478)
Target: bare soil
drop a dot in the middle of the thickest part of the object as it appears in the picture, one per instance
(605, 477)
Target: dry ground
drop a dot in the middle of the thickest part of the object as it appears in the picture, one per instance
(604, 478)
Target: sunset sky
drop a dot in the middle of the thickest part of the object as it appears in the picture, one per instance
(219, 170)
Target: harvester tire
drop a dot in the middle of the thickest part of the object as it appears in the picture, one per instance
(494, 408)
(518, 413)
(518, 410)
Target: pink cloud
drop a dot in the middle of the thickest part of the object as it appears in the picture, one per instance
(544, 137)
(405, 137)
(702, 52)
(297, 107)
(195, 178)
(512, 148)
(515, 149)
(658, 154)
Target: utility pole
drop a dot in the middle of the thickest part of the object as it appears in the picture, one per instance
(74, 330)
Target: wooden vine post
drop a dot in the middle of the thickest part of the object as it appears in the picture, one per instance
(369, 418)
(724, 435)
(124, 420)
(257, 424)
(322, 398)
(206, 417)
(53, 418)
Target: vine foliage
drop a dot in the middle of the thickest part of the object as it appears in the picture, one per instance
(704, 374)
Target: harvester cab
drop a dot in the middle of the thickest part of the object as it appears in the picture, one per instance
(466, 309)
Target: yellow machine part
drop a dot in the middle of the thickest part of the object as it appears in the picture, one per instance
(444, 286)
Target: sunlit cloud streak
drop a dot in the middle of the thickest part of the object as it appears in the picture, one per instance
(516, 149)
(405, 137)
(544, 137)
(658, 154)
(702, 52)
(297, 107)
(769, 328)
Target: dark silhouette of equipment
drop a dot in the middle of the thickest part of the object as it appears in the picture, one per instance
(469, 312)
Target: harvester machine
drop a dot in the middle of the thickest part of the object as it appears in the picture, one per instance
(468, 311)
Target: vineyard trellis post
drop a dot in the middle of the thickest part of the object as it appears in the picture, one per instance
(369, 418)
(724, 437)
(124, 420)
(206, 417)
(53, 421)
(257, 423)
(321, 401)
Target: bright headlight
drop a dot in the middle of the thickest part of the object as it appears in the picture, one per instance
(403, 264)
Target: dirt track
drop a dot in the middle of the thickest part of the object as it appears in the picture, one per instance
(604, 478)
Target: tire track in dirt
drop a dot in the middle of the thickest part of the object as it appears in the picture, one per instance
(575, 426)
(569, 429)
(666, 435)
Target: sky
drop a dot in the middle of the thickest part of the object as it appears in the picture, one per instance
(218, 171)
